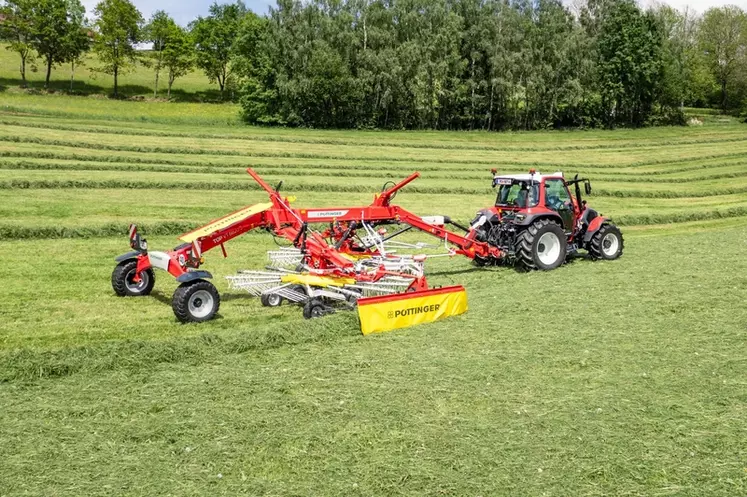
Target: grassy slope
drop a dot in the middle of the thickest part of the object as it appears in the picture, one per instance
(621, 378)
(137, 81)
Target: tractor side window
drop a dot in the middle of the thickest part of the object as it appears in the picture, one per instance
(556, 194)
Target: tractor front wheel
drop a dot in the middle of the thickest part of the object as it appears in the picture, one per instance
(542, 245)
(123, 280)
(607, 243)
(195, 301)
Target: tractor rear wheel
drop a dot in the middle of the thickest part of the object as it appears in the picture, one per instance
(123, 280)
(542, 245)
(607, 243)
(195, 301)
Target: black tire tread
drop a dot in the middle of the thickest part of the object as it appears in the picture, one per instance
(180, 300)
(308, 306)
(525, 242)
(119, 279)
(595, 246)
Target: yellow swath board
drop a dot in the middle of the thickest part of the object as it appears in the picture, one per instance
(390, 312)
(225, 222)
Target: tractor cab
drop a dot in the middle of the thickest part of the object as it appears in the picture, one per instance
(525, 195)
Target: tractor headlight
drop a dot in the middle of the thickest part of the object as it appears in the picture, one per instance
(520, 218)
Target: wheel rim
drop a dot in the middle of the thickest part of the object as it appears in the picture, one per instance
(610, 244)
(274, 299)
(136, 287)
(201, 303)
(317, 311)
(548, 248)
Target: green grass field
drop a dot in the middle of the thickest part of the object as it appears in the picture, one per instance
(608, 378)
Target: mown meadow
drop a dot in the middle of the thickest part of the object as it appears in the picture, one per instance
(617, 378)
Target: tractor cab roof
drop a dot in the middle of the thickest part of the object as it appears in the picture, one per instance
(508, 179)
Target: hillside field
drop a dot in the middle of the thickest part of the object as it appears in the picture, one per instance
(136, 82)
(599, 378)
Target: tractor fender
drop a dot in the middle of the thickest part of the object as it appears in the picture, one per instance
(542, 215)
(194, 275)
(129, 255)
(594, 226)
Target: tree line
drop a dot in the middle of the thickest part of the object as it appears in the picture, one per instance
(420, 64)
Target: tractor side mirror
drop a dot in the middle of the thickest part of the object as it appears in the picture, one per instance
(587, 188)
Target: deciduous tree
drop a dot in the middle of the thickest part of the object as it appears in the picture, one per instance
(214, 37)
(118, 31)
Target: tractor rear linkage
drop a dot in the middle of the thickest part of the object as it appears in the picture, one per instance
(321, 269)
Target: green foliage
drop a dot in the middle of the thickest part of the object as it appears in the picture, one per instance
(630, 68)
(17, 28)
(118, 30)
(58, 32)
(451, 64)
(214, 37)
(178, 55)
(157, 31)
(723, 40)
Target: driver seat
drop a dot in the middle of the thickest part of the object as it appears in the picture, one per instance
(521, 198)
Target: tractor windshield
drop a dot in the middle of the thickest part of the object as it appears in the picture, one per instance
(518, 194)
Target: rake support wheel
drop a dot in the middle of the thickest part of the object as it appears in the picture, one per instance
(195, 301)
(123, 283)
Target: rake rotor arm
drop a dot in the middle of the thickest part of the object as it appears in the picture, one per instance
(385, 197)
(465, 245)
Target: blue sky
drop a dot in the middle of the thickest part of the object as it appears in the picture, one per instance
(184, 11)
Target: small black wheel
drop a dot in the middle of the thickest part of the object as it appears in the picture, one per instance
(123, 280)
(353, 297)
(607, 243)
(480, 262)
(195, 301)
(543, 245)
(271, 299)
(314, 308)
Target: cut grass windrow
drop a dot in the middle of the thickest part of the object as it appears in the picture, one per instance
(136, 355)
(333, 188)
(16, 232)
(321, 141)
(498, 162)
(353, 172)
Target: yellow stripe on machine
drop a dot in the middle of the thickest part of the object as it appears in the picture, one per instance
(314, 280)
(390, 312)
(225, 222)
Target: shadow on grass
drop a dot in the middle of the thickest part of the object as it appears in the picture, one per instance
(126, 91)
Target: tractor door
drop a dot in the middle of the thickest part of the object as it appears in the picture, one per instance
(558, 198)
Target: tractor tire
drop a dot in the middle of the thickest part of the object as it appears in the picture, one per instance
(314, 308)
(195, 301)
(122, 280)
(542, 246)
(607, 243)
(271, 299)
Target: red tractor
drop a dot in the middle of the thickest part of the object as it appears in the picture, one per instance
(537, 223)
